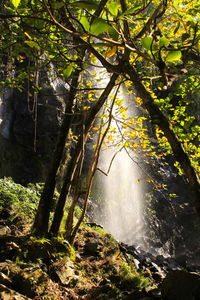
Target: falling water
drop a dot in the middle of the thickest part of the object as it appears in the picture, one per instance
(121, 190)
(122, 199)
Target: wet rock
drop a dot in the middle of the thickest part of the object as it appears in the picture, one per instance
(182, 285)
(92, 248)
(155, 294)
(136, 263)
(93, 224)
(157, 273)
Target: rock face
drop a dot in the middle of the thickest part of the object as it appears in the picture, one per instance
(29, 127)
(181, 285)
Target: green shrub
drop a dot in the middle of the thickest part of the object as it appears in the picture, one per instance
(23, 199)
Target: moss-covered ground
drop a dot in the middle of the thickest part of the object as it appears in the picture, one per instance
(31, 268)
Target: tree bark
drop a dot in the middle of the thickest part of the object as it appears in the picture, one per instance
(41, 222)
(40, 226)
(91, 173)
(59, 212)
(159, 118)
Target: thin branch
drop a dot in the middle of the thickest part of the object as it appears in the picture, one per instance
(149, 22)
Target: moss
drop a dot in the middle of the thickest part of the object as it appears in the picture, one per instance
(131, 279)
(97, 269)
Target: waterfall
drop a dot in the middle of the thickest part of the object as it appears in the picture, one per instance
(123, 202)
(121, 189)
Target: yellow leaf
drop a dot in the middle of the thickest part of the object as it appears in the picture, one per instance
(28, 35)
(15, 3)
(111, 51)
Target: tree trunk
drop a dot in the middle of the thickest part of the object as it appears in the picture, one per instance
(71, 169)
(59, 212)
(91, 173)
(158, 118)
(41, 222)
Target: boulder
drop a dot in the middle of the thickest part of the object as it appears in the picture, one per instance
(181, 285)
(92, 247)
(30, 281)
(62, 271)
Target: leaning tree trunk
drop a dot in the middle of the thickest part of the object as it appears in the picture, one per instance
(59, 212)
(71, 232)
(158, 118)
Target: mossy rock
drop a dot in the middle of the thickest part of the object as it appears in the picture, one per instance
(106, 292)
(30, 282)
(45, 250)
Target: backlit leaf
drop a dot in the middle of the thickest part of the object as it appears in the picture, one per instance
(130, 10)
(111, 51)
(113, 8)
(99, 26)
(33, 44)
(163, 42)
(84, 21)
(57, 5)
(174, 55)
(16, 3)
(28, 35)
(68, 71)
(147, 42)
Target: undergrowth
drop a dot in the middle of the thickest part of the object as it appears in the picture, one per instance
(23, 199)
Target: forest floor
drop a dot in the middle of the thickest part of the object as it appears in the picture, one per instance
(96, 267)
(93, 268)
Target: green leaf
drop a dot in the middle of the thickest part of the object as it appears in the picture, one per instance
(84, 21)
(130, 10)
(113, 33)
(16, 3)
(174, 55)
(68, 71)
(147, 42)
(163, 42)
(99, 26)
(85, 4)
(57, 5)
(113, 8)
(32, 44)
